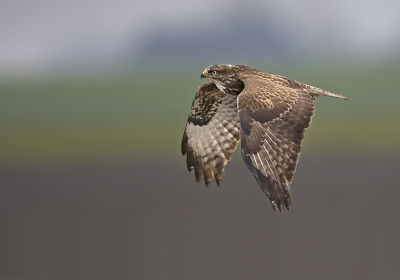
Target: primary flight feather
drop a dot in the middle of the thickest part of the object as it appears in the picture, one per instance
(268, 113)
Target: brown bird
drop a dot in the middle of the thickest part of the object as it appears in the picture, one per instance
(267, 112)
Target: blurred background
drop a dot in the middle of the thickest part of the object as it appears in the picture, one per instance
(94, 97)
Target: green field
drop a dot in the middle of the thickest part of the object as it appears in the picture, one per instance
(143, 113)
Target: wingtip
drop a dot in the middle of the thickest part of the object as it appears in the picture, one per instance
(280, 207)
(218, 180)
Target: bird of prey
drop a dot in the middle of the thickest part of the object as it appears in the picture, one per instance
(268, 113)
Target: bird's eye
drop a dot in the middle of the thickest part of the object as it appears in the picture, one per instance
(212, 72)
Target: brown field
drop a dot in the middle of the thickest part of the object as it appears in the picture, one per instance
(150, 220)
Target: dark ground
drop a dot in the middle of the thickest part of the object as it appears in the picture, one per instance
(152, 221)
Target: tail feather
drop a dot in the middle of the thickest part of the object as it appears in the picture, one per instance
(314, 91)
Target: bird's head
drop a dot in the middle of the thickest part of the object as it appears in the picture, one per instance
(225, 77)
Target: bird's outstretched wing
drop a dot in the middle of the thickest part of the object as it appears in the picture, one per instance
(211, 134)
(273, 116)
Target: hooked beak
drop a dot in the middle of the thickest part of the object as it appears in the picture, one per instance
(204, 74)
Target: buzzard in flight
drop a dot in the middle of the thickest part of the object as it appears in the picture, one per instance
(267, 112)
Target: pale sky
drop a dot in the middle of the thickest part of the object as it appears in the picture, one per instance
(47, 32)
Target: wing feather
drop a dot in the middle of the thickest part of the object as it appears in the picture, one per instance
(212, 133)
(273, 116)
